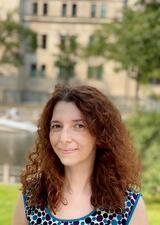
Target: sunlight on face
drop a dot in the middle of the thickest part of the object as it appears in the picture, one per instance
(69, 135)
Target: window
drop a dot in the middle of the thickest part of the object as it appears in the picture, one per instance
(125, 3)
(155, 80)
(73, 42)
(68, 41)
(66, 72)
(92, 39)
(42, 70)
(64, 10)
(61, 72)
(95, 72)
(34, 8)
(103, 10)
(44, 41)
(33, 70)
(93, 10)
(99, 71)
(63, 41)
(45, 9)
(74, 10)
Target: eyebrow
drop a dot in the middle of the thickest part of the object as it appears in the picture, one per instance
(77, 120)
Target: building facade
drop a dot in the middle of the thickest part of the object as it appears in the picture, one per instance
(8, 74)
(54, 21)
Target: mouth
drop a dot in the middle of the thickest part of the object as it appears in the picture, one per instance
(67, 151)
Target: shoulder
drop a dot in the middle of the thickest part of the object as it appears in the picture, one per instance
(126, 215)
(139, 214)
(35, 214)
(19, 216)
(135, 207)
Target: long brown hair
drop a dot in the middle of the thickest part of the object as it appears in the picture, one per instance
(116, 165)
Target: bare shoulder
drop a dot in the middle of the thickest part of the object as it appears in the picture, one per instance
(19, 216)
(139, 215)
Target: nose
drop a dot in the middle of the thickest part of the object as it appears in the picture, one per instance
(65, 136)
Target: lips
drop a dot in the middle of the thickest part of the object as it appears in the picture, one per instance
(68, 150)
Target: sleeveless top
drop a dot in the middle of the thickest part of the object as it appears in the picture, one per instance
(42, 215)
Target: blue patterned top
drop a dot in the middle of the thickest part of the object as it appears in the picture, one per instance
(100, 216)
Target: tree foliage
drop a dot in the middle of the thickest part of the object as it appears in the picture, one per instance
(144, 129)
(15, 40)
(67, 58)
(133, 41)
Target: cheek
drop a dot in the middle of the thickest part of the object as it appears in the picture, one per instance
(53, 139)
(92, 142)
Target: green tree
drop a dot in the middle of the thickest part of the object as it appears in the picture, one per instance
(15, 40)
(144, 129)
(67, 58)
(133, 41)
(149, 3)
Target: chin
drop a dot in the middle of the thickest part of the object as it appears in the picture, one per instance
(69, 162)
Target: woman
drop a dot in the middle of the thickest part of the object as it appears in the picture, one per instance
(84, 169)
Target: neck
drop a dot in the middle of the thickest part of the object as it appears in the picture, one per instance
(78, 178)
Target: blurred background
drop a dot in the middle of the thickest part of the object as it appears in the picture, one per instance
(113, 45)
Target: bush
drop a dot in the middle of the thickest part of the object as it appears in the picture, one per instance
(144, 128)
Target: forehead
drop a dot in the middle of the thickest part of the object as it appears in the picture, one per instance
(66, 110)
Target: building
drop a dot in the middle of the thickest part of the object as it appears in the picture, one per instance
(8, 74)
(8, 7)
(54, 20)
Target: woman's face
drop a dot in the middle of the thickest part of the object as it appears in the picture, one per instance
(69, 135)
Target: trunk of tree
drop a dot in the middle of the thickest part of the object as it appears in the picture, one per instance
(137, 91)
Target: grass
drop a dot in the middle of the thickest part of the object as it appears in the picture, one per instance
(9, 194)
(153, 213)
(8, 198)
(153, 208)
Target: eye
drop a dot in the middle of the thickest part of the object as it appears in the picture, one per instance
(80, 125)
(55, 126)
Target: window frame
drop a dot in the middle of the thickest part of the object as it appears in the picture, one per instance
(64, 10)
(33, 72)
(103, 10)
(44, 41)
(93, 12)
(95, 72)
(42, 70)
(45, 9)
(35, 8)
(74, 10)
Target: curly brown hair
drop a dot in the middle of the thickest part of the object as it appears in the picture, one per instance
(116, 166)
